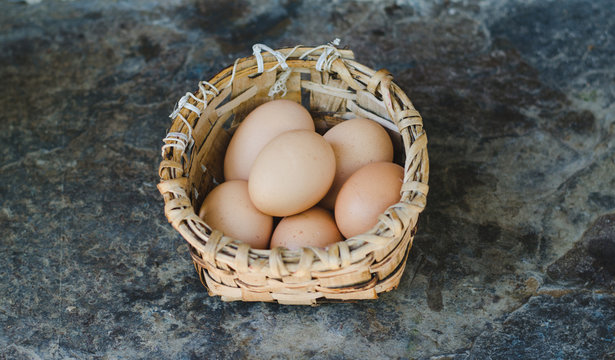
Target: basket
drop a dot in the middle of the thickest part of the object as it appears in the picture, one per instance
(334, 87)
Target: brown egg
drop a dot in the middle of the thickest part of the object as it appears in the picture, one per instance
(292, 173)
(356, 143)
(313, 227)
(228, 208)
(365, 195)
(260, 126)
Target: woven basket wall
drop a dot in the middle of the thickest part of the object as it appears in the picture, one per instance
(334, 88)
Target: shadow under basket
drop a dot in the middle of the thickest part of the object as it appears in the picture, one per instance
(334, 87)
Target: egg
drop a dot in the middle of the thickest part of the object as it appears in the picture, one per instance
(313, 227)
(258, 128)
(366, 194)
(356, 143)
(228, 208)
(292, 173)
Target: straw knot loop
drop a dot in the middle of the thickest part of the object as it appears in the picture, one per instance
(179, 140)
(327, 57)
(258, 48)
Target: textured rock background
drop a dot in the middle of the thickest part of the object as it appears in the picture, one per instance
(515, 253)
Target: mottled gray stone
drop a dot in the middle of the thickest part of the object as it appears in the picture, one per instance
(517, 99)
(578, 326)
(591, 262)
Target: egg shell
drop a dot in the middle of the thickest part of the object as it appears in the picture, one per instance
(228, 208)
(292, 173)
(365, 195)
(356, 143)
(313, 227)
(258, 128)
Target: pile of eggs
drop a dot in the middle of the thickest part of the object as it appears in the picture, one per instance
(318, 189)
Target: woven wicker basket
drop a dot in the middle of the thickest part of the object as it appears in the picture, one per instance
(334, 87)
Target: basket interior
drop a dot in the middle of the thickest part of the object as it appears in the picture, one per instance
(207, 156)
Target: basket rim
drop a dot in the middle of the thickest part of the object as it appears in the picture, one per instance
(399, 219)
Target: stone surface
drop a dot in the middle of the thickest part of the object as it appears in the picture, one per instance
(574, 326)
(514, 254)
(589, 264)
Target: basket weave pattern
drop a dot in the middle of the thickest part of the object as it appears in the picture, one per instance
(334, 87)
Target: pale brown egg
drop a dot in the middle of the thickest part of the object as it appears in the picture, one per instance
(365, 195)
(292, 173)
(258, 128)
(228, 208)
(356, 143)
(314, 227)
